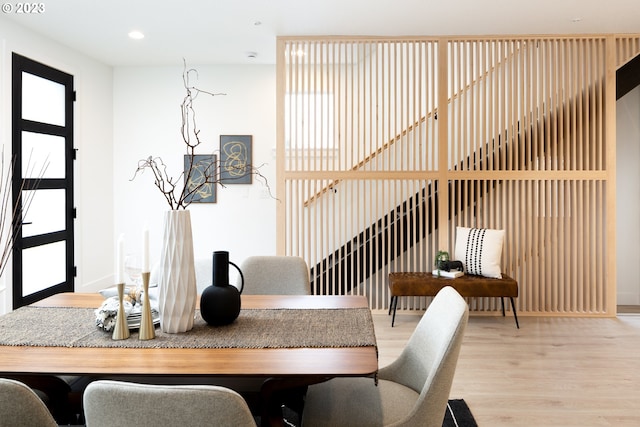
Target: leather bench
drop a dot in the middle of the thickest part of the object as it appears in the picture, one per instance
(427, 284)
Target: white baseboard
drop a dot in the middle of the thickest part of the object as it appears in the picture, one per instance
(628, 298)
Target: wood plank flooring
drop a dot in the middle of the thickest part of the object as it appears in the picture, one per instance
(553, 371)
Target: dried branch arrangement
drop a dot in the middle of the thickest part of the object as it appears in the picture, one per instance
(12, 212)
(177, 194)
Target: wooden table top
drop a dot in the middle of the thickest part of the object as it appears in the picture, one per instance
(318, 362)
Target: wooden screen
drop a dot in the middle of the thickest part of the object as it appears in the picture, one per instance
(386, 145)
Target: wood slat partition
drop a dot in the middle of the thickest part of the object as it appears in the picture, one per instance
(385, 145)
(627, 48)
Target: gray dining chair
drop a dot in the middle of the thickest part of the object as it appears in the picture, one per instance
(411, 391)
(114, 403)
(204, 269)
(62, 394)
(275, 275)
(20, 406)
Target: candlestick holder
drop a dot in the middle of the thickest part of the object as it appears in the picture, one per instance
(121, 331)
(147, 329)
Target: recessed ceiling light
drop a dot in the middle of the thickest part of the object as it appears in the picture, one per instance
(136, 35)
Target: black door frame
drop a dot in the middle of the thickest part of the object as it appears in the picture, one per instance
(22, 64)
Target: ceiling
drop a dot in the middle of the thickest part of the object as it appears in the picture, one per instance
(226, 31)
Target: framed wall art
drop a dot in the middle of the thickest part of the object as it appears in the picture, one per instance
(202, 179)
(235, 159)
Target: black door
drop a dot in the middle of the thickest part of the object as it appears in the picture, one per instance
(42, 147)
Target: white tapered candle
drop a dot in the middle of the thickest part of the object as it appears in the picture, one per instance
(120, 260)
(145, 249)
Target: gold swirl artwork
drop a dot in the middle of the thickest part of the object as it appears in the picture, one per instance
(235, 159)
(201, 183)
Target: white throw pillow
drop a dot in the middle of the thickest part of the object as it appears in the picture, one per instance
(480, 250)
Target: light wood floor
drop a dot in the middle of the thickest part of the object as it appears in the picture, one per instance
(551, 372)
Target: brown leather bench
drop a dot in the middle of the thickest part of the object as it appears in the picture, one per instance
(427, 284)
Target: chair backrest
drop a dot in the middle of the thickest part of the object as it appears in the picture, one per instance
(114, 403)
(21, 407)
(428, 362)
(275, 275)
(204, 273)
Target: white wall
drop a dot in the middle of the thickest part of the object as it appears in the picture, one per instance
(93, 139)
(147, 122)
(628, 198)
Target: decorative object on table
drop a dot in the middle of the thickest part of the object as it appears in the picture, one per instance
(197, 172)
(480, 250)
(441, 258)
(107, 313)
(121, 330)
(178, 195)
(235, 159)
(452, 265)
(133, 298)
(147, 328)
(133, 268)
(177, 272)
(450, 269)
(178, 292)
(220, 302)
(448, 274)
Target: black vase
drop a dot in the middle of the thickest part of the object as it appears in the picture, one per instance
(220, 302)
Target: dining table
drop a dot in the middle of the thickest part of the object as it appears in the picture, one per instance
(291, 341)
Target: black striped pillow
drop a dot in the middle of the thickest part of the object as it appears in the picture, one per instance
(480, 250)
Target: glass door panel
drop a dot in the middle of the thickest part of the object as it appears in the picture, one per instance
(42, 100)
(43, 156)
(46, 212)
(43, 267)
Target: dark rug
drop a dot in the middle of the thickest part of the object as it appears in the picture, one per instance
(458, 415)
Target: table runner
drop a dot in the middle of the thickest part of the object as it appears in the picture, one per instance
(254, 328)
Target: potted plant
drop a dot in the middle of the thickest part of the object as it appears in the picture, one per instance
(441, 257)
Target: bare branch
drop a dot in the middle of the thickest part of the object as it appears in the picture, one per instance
(178, 193)
(10, 224)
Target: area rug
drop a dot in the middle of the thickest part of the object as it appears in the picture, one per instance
(458, 414)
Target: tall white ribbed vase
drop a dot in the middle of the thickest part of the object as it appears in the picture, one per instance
(177, 280)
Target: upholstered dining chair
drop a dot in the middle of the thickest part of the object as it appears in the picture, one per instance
(275, 275)
(411, 391)
(62, 394)
(113, 403)
(20, 406)
(204, 272)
